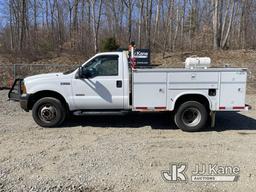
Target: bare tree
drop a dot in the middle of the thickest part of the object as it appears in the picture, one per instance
(11, 25)
(129, 5)
(216, 38)
(96, 22)
(23, 23)
(177, 26)
(141, 5)
(225, 37)
(157, 21)
(75, 15)
(193, 21)
(183, 23)
(70, 9)
(148, 23)
(168, 25)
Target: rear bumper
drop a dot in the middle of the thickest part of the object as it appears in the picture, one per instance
(247, 107)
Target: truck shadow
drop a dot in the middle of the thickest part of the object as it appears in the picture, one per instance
(131, 120)
(233, 121)
(224, 121)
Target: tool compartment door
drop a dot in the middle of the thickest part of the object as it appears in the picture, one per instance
(149, 90)
(193, 80)
(233, 90)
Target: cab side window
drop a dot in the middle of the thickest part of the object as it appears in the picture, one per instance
(106, 65)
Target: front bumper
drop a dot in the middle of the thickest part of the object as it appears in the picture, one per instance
(15, 94)
(15, 91)
(24, 102)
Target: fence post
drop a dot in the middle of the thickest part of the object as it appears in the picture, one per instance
(1, 80)
(14, 71)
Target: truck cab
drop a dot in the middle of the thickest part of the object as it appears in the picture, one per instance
(101, 83)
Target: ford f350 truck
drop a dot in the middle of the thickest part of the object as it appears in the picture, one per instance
(105, 84)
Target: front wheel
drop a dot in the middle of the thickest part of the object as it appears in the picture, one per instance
(191, 116)
(48, 112)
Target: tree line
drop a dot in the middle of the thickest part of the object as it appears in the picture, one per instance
(40, 26)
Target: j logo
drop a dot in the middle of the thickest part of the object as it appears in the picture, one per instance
(176, 173)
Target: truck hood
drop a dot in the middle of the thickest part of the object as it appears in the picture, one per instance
(44, 76)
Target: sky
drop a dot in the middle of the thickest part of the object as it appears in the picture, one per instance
(3, 13)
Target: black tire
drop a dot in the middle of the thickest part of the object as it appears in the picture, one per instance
(191, 116)
(49, 112)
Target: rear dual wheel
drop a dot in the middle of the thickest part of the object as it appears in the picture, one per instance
(48, 112)
(191, 116)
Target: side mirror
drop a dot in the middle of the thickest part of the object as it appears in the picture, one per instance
(79, 74)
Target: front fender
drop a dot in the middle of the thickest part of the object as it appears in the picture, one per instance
(64, 89)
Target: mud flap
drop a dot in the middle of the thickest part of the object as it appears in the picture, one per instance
(213, 115)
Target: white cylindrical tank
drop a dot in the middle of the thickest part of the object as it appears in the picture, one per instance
(197, 62)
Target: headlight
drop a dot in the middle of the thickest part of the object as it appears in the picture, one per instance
(23, 88)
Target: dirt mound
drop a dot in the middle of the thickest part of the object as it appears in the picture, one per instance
(51, 58)
(63, 58)
(235, 58)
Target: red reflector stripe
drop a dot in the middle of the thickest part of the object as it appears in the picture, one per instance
(235, 107)
(141, 108)
(238, 107)
(160, 107)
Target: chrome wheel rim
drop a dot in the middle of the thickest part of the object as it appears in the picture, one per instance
(47, 113)
(191, 117)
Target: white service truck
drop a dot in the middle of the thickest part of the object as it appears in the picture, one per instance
(105, 84)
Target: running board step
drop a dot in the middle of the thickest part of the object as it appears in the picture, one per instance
(82, 113)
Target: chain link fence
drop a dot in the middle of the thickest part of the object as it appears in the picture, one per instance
(10, 72)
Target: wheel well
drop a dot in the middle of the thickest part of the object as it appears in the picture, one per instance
(41, 94)
(192, 97)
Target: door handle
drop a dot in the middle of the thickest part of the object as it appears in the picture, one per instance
(193, 76)
(118, 83)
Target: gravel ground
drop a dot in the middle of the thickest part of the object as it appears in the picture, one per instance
(120, 153)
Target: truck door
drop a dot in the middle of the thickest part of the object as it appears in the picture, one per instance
(104, 90)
